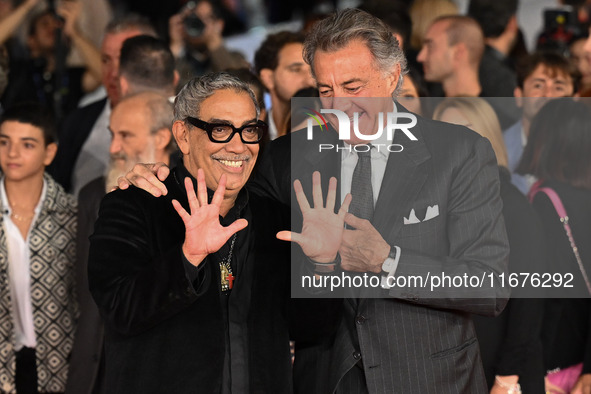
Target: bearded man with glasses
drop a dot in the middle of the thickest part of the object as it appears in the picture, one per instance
(193, 286)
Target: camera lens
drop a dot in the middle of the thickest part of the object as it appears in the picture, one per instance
(193, 25)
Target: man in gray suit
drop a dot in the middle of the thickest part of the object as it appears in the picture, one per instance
(435, 209)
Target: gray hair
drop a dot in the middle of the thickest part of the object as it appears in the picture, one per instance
(161, 114)
(157, 109)
(188, 101)
(338, 30)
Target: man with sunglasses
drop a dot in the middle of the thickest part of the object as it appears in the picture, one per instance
(189, 285)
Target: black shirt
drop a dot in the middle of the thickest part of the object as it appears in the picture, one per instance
(235, 302)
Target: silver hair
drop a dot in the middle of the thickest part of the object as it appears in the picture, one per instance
(161, 113)
(188, 101)
(338, 30)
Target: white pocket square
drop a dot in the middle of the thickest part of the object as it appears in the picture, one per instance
(412, 218)
(432, 212)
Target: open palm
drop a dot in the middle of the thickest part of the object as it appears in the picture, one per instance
(203, 232)
(322, 230)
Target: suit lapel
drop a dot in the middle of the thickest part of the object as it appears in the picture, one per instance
(405, 175)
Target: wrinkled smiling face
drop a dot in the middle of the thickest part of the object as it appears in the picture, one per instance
(234, 158)
(349, 80)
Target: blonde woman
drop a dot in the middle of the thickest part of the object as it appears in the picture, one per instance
(510, 344)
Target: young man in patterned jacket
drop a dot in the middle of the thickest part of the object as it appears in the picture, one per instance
(38, 307)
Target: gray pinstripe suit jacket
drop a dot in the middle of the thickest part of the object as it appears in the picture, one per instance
(411, 341)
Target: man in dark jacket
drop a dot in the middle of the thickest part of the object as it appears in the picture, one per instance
(193, 286)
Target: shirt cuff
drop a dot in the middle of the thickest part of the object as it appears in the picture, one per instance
(193, 273)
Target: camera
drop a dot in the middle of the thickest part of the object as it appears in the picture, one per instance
(193, 25)
(561, 26)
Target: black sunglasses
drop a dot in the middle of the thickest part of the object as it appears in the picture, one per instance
(221, 132)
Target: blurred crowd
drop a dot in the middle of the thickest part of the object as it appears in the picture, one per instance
(87, 91)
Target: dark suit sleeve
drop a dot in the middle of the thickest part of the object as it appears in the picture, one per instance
(522, 335)
(87, 347)
(270, 180)
(62, 166)
(477, 242)
(134, 285)
(521, 349)
(73, 134)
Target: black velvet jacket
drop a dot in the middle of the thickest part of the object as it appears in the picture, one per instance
(166, 334)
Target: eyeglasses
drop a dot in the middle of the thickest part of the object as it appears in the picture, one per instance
(221, 133)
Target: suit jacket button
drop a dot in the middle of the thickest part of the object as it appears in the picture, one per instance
(360, 319)
(357, 356)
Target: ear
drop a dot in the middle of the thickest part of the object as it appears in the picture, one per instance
(50, 151)
(176, 79)
(393, 78)
(123, 86)
(400, 40)
(266, 75)
(512, 25)
(518, 93)
(460, 52)
(181, 135)
(220, 24)
(162, 138)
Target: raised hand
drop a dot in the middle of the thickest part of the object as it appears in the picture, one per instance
(212, 33)
(203, 232)
(322, 230)
(70, 11)
(31, 3)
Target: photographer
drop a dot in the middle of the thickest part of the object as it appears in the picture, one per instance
(44, 76)
(196, 41)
